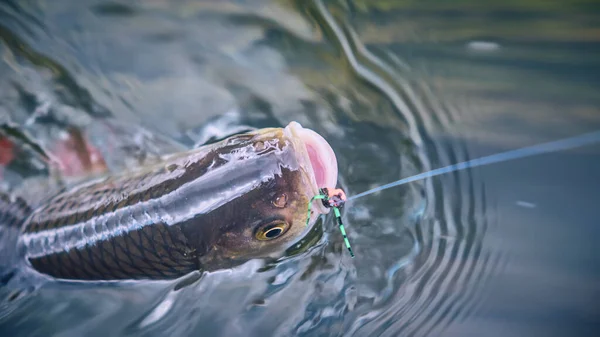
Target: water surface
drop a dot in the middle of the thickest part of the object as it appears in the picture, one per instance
(397, 88)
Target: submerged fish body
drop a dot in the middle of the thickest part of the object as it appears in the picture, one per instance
(212, 207)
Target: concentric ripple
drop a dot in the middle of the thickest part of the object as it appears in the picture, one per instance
(449, 264)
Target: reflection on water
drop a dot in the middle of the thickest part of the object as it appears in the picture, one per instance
(397, 88)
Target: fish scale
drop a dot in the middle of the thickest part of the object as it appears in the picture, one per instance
(135, 259)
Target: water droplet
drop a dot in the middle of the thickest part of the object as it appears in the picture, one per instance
(485, 46)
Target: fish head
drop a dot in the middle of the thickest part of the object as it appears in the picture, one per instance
(290, 165)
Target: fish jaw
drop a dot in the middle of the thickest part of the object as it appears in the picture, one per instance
(315, 153)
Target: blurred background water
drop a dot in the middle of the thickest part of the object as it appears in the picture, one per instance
(397, 87)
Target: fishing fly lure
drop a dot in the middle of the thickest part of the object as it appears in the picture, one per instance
(333, 199)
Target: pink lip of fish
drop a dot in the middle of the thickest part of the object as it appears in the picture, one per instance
(321, 157)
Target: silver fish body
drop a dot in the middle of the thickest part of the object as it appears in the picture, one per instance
(212, 207)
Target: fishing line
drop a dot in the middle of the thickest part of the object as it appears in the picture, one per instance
(563, 144)
(554, 146)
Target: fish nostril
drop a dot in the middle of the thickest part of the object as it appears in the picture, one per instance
(280, 201)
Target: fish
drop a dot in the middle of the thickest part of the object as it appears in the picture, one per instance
(212, 207)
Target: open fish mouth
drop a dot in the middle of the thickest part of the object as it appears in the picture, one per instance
(316, 151)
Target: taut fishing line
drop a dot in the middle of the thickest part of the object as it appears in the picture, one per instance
(558, 145)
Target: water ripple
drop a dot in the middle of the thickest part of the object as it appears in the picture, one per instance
(426, 257)
(446, 262)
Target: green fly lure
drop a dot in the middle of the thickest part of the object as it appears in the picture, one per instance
(335, 203)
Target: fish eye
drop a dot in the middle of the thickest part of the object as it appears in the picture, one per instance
(271, 231)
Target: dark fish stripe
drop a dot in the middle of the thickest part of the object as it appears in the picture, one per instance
(96, 208)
